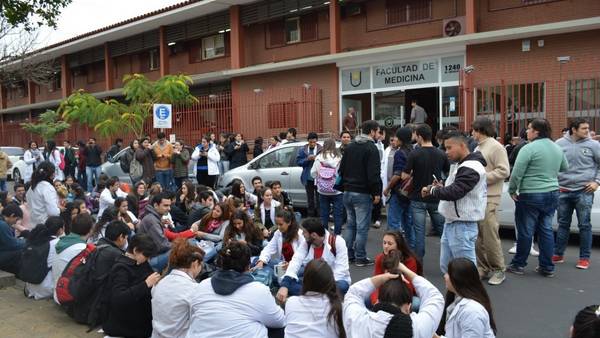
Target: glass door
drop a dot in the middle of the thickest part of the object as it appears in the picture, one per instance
(389, 109)
(450, 115)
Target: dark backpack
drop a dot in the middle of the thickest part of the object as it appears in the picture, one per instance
(34, 263)
(63, 291)
(125, 162)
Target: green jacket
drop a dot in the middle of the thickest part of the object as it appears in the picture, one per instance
(180, 163)
(67, 241)
(536, 168)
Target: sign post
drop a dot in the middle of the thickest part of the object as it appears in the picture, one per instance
(162, 116)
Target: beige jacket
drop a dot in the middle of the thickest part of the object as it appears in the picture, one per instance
(5, 164)
(497, 169)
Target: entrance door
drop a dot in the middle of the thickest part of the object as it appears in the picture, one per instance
(361, 103)
(390, 110)
(429, 99)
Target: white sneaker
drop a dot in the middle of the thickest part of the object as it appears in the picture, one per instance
(377, 225)
(513, 250)
(534, 252)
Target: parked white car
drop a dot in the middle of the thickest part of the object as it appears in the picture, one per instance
(15, 154)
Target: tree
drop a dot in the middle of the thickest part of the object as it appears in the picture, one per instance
(31, 13)
(48, 126)
(112, 117)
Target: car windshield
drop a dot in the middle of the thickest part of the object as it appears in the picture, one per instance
(13, 151)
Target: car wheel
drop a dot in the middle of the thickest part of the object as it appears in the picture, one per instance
(16, 176)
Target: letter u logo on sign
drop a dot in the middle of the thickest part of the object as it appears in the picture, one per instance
(355, 78)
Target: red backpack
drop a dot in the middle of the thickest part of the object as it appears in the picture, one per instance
(63, 294)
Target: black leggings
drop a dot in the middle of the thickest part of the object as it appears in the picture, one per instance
(204, 178)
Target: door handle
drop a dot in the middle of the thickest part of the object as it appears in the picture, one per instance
(284, 173)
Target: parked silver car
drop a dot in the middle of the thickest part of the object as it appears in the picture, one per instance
(15, 154)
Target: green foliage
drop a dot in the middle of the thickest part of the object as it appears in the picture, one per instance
(111, 117)
(31, 13)
(48, 126)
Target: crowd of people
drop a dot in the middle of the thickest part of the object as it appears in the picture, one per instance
(247, 264)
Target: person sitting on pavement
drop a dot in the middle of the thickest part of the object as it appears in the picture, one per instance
(129, 308)
(42, 199)
(202, 206)
(586, 323)
(238, 190)
(152, 225)
(264, 213)
(241, 229)
(281, 195)
(99, 229)
(110, 194)
(230, 303)
(10, 246)
(320, 244)
(468, 308)
(391, 316)
(171, 311)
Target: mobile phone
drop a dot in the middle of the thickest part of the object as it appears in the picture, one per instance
(435, 178)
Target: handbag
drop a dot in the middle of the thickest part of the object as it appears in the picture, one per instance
(406, 187)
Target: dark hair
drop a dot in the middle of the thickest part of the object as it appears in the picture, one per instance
(368, 126)
(395, 292)
(256, 178)
(119, 201)
(204, 195)
(318, 277)
(225, 215)
(66, 214)
(157, 199)
(258, 141)
(330, 149)
(135, 189)
(292, 131)
(312, 136)
(143, 243)
(108, 215)
(43, 232)
(414, 101)
(234, 256)
(50, 147)
(457, 136)
(404, 135)
(115, 229)
(4, 198)
(282, 135)
(292, 232)
(576, 122)
(465, 279)
(345, 132)
(484, 125)
(12, 209)
(274, 183)
(30, 143)
(313, 225)
(17, 186)
(112, 181)
(542, 126)
(424, 131)
(82, 224)
(183, 254)
(391, 260)
(251, 232)
(160, 135)
(587, 323)
(43, 172)
(189, 197)
(118, 140)
(236, 189)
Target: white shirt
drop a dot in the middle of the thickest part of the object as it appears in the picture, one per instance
(338, 263)
(332, 162)
(42, 203)
(307, 316)
(61, 261)
(107, 200)
(171, 305)
(46, 288)
(273, 248)
(55, 159)
(359, 322)
(245, 313)
(469, 319)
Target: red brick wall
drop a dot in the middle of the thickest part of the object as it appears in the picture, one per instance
(504, 61)
(499, 14)
(43, 94)
(370, 29)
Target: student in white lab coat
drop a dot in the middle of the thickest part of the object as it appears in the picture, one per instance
(391, 316)
(468, 308)
(318, 311)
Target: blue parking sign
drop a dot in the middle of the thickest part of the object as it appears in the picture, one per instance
(162, 116)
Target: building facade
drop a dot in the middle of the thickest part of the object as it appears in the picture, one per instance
(262, 67)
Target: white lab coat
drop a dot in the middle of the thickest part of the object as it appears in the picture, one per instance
(384, 173)
(107, 200)
(42, 203)
(213, 158)
(469, 319)
(245, 313)
(61, 261)
(55, 159)
(338, 263)
(171, 305)
(307, 316)
(46, 288)
(359, 322)
(273, 248)
(29, 157)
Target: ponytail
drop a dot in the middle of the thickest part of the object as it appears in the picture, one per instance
(587, 323)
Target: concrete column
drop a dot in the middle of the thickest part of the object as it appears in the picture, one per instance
(163, 51)
(335, 42)
(31, 91)
(236, 38)
(471, 16)
(65, 77)
(109, 76)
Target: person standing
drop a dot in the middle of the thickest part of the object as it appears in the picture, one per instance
(115, 148)
(258, 147)
(490, 259)
(360, 169)
(163, 151)
(81, 164)
(5, 165)
(462, 200)
(180, 159)
(221, 146)
(424, 164)
(577, 187)
(207, 159)
(324, 171)
(399, 211)
(52, 154)
(236, 151)
(32, 158)
(418, 115)
(305, 159)
(350, 120)
(93, 160)
(70, 159)
(144, 155)
(534, 188)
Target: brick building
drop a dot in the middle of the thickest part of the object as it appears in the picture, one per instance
(262, 66)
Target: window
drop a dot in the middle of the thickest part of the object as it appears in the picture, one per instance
(280, 158)
(407, 11)
(95, 72)
(149, 61)
(583, 100)
(283, 114)
(292, 30)
(213, 46)
(154, 59)
(56, 82)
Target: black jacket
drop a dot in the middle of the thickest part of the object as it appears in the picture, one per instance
(129, 300)
(237, 157)
(360, 167)
(198, 211)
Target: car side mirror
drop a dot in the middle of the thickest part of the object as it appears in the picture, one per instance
(253, 165)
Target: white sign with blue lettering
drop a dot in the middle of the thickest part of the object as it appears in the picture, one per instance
(162, 116)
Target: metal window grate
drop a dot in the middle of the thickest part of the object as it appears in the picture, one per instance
(86, 57)
(273, 9)
(134, 44)
(198, 27)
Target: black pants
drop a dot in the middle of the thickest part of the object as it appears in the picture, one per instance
(376, 213)
(10, 261)
(312, 197)
(179, 181)
(69, 171)
(204, 178)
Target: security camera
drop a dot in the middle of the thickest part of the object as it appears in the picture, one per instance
(469, 69)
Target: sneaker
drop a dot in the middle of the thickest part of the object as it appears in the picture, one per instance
(558, 259)
(377, 225)
(351, 260)
(363, 262)
(583, 264)
(513, 250)
(534, 252)
(497, 278)
(483, 274)
(518, 270)
(544, 273)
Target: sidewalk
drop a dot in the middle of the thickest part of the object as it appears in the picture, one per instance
(22, 317)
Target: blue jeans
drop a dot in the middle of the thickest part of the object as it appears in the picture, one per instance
(458, 240)
(165, 178)
(581, 202)
(295, 286)
(419, 211)
(3, 185)
(534, 213)
(338, 210)
(399, 217)
(359, 207)
(160, 262)
(93, 174)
